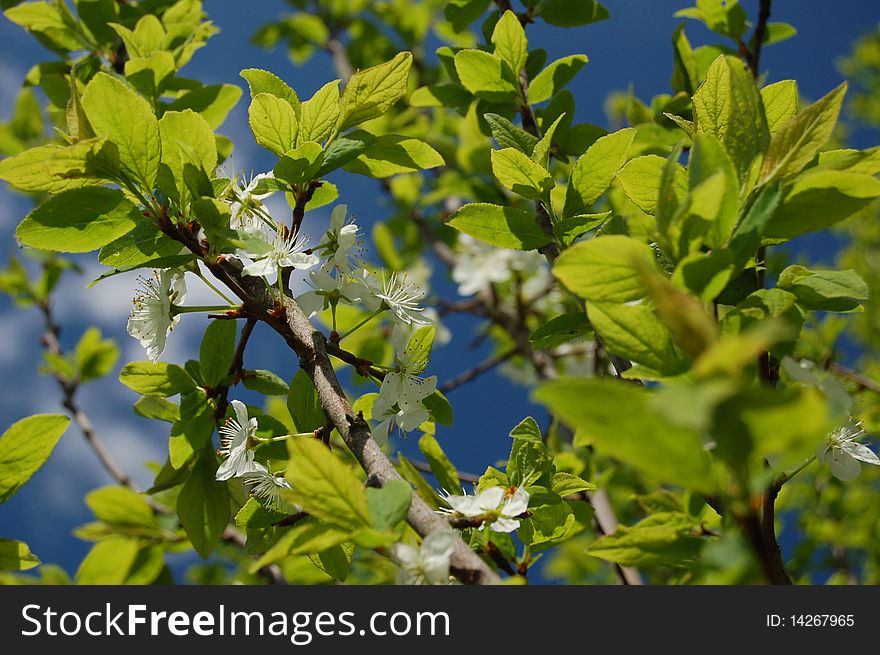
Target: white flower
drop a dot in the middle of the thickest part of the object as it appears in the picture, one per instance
(235, 437)
(340, 239)
(394, 294)
(842, 453)
(270, 487)
(497, 506)
(325, 289)
(150, 320)
(385, 410)
(245, 203)
(283, 252)
(403, 385)
(428, 564)
(479, 265)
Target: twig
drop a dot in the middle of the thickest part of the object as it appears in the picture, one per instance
(426, 468)
(759, 34)
(68, 389)
(486, 365)
(235, 370)
(863, 381)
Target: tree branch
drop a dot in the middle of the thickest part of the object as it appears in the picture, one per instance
(310, 347)
(472, 374)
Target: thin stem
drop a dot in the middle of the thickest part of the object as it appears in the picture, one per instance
(363, 322)
(486, 365)
(282, 437)
(202, 277)
(194, 309)
(280, 286)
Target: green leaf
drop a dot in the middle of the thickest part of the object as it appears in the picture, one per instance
(440, 465)
(304, 538)
(596, 169)
(300, 164)
(212, 102)
(320, 114)
(685, 77)
(121, 506)
(141, 245)
(571, 13)
(567, 230)
(343, 149)
(303, 404)
(45, 20)
(261, 81)
(440, 95)
(79, 220)
(273, 123)
(203, 505)
(633, 331)
(334, 561)
(640, 179)
(504, 227)
(616, 427)
(605, 269)
(104, 101)
(156, 379)
(509, 135)
(747, 235)
(409, 473)
(156, 408)
(372, 92)
(780, 103)
(515, 171)
(561, 329)
(52, 168)
(108, 562)
(509, 39)
(391, 154)
(389, 505)
(728, 106)
(191, 432)
(662, 539)
(797, 141)
(324, 486)
(530, 463)
(707, 158)
(554, 522)
(187, 141)
(784, 427)
(95, 357)
(418, 348)
(25, 447)
(541, 153)
(828, 291)
(16, 556)
(527, 430)
(147, 566)
(461, 13)
(819, 199)
(264, 382)
(482, 74)
(217, 351)
(553, 79)
(568, 484)
(704, 274)
(441, 410)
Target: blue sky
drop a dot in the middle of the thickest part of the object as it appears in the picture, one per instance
(632, 47)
